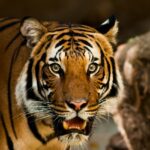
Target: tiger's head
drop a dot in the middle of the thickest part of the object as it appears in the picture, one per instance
(71, 77)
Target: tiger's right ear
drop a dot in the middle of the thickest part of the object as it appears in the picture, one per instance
(33, 30)
(110, 29)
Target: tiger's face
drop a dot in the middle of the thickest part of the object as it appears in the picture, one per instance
(73, 78)
(70, 78)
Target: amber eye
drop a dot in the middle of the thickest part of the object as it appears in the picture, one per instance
(55, 68)
(92, 68)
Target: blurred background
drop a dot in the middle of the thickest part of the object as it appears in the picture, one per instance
(133, 17)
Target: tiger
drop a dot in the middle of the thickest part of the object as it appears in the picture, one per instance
(56, 81)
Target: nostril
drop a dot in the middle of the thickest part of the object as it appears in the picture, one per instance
(83, 105)
(70, 105)
(77, 105)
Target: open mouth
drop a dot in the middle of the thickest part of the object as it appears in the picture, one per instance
(75, 125)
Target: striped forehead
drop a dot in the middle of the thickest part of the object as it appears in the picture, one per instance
(74, 40)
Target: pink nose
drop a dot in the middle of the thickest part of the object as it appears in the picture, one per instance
(77, 105)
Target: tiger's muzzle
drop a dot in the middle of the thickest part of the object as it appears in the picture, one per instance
(77, 124)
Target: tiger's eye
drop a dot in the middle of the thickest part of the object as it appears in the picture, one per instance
(92, 68)
(55, 67)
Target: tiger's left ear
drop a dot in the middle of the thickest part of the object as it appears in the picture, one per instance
(32, 30)
(110, 29)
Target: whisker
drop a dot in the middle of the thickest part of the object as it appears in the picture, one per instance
(41, 118)
(29, 113)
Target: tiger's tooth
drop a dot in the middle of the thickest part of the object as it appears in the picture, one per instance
(65, 125)
(68, 125)
(84, 125)
(74, 127)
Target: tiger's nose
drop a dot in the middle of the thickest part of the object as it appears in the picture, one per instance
(77, 105)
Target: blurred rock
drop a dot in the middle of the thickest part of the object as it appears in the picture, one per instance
(117, 143)
(133, 115)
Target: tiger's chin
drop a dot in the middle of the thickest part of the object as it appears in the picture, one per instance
(73, 139)
(75, 131)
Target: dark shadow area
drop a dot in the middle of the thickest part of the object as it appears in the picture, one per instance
(133, 16)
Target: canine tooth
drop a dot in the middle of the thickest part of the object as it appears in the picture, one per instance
(84, 125)
(65, 125)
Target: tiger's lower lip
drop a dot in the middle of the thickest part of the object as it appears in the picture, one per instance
(75, 123)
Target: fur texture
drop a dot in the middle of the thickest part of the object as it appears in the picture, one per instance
(56, 81)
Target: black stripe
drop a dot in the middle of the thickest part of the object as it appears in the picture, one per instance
(90, 35)
(85, 47)
(114, 89)
(61, 35)
(29, 76)
(58, 110)
(66, 49)
(102, 65)
(114, 71)
(32, 95)
(102, 54)
(102, 58)
(102, 77)
(95, 59)
(16, 52)
(50, 137)
(79, 34)
(94, 110)
(33, 128)
(38, 78)
(43, 58)
(84, 30)
(71, 33)
(12, 40)
(106, 86)
(53, 59)
(5, 19)
(48, 45)
(10, 92)
(59, 50)
(30, 92)
(60, 28)
(109, 72)
(85, 42)
(109, 69)
(8, 25)
(61, 42)
(18, 49)
(8, 138)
